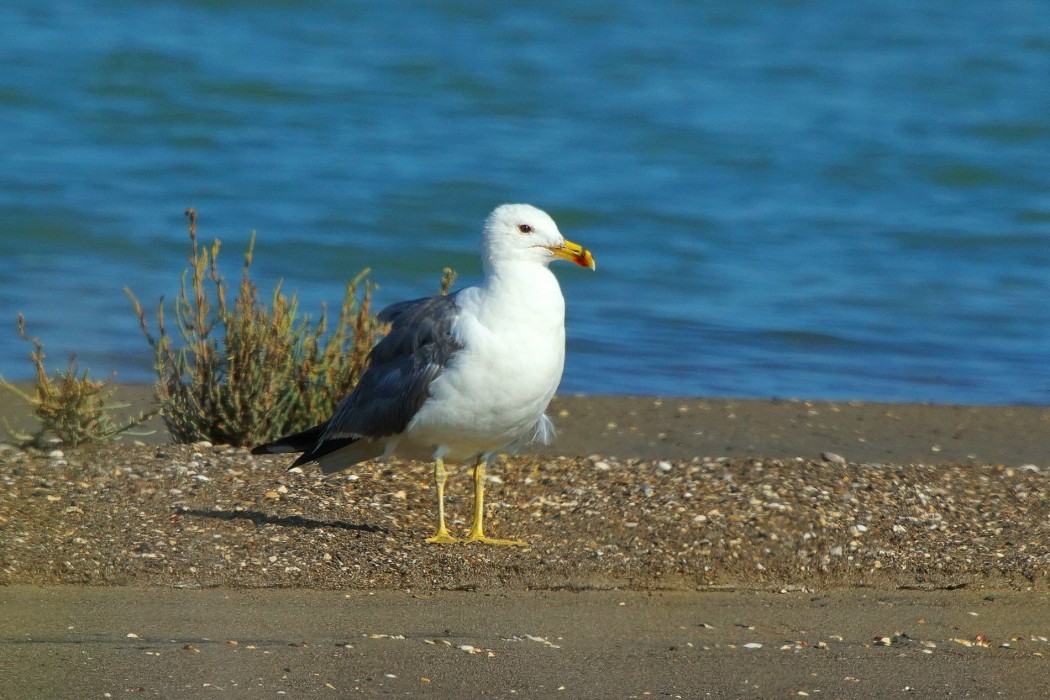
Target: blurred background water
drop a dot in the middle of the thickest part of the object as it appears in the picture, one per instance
(786, 199)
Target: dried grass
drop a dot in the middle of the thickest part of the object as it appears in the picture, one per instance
(70, 405)
(251, 372)
(240, 374)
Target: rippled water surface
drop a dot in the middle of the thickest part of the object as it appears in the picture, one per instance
(806, 199)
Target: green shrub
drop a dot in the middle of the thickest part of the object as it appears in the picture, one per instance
(70, 406)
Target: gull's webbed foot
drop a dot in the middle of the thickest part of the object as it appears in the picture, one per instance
(477, 532)
(442, 537)
(479, 537)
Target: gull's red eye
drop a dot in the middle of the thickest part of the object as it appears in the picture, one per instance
(524, 228)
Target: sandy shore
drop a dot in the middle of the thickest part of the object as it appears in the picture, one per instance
(930, 532)
(75, 642)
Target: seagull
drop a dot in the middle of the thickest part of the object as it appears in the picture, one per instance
(460, 377)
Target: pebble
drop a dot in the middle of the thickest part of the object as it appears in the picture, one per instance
(542, 640)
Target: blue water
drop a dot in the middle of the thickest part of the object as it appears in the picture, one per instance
(845, 200)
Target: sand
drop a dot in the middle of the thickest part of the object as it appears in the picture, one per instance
(664, 537)
(85, 642)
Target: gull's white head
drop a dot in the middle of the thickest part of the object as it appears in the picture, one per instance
(523, 233)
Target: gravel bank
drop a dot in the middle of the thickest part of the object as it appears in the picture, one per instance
(200, 516)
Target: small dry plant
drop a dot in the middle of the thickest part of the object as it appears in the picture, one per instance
(70, 406)
(448, 277)
(250, 372)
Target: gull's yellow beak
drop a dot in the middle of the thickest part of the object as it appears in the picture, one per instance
(574, 253)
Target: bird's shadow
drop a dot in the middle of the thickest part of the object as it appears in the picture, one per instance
(260, 518)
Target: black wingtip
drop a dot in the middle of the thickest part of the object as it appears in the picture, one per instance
(303, 441)
(302, 459)
(326, 447)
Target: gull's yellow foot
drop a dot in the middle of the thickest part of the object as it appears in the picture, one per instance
(473, 536)
(477, 531)
(442, 537)
(493, 540)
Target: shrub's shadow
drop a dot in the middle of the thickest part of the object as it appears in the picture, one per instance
(260, 518)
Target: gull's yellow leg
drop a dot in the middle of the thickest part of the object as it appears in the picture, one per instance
(477, 533)
(440, 475)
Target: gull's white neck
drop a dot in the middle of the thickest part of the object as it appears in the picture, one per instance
(523, 288)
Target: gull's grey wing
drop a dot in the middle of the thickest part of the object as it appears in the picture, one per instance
(393, 388)
(401, 367)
